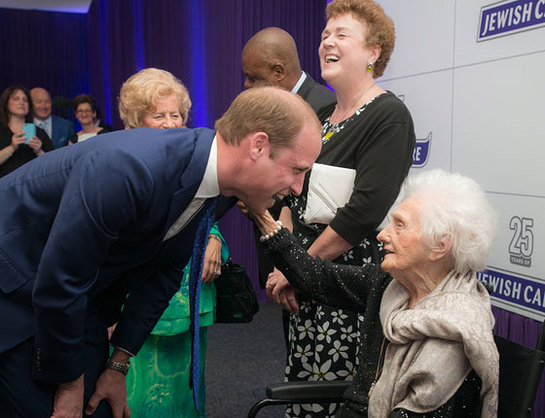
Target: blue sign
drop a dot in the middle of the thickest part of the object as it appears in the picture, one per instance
(421, 151)
(509, 17)
(524, 293)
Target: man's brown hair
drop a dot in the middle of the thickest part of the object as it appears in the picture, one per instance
(278, 113)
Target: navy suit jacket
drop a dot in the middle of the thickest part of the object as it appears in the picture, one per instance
(76, 221)
(61, 130)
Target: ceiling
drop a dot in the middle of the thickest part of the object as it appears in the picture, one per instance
(67, 6)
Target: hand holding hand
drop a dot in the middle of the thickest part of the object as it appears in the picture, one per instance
(282, 292)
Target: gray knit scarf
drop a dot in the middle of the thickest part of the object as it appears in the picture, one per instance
(434, 346)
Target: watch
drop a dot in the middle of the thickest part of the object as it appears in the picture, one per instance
(118, 367)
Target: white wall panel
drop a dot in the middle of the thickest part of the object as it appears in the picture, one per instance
(483, 102)
(424, 36)
(429, 99)
(498, 122)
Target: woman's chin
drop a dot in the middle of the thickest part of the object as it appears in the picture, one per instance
(386, 265)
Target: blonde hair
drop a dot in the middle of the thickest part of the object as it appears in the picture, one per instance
(380, 27)
(141, 91)
(273, 110)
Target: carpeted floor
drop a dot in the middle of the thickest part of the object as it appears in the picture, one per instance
(242, 359)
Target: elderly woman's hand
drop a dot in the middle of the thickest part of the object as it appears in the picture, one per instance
(282, 292)
(211, 268)
(243, 208)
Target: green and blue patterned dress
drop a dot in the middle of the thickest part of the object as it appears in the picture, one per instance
(158, 379)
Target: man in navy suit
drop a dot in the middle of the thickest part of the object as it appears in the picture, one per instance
(58, 129)
(111, 222)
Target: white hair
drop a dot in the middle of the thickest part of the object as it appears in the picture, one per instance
(455, 206)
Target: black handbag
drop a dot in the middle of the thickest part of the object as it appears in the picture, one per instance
(236, 301)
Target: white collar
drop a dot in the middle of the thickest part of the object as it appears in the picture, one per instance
(46, 121)
(299, 83)
(209, 186)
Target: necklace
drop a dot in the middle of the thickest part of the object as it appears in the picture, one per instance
(378, 371)
(354, 103)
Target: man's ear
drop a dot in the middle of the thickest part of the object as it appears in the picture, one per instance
(279, 71)
(259, 145)
(441, 248)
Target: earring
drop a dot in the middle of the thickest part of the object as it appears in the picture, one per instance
(370, 67)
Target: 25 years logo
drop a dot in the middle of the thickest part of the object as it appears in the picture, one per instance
(521, 246)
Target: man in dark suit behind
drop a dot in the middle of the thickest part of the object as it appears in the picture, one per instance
(270, 57)
(119, 211)
(58, 129)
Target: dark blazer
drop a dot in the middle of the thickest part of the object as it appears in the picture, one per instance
(61, 130)
(75, 221)
(315, 94)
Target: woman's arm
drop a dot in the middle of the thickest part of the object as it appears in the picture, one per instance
(329, 245)
(215, 255)
(383, 143)
(8, 151)
(333, 284)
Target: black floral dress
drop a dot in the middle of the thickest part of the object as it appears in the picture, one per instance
(323, 341)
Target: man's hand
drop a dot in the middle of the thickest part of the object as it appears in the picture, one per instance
(111, 387)
(282, 292)
(69, 400)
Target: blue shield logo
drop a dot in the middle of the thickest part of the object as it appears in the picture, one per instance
(421, 151)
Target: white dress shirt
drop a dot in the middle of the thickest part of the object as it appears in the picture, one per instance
(46, 125)
(208, 188)
(299, 83)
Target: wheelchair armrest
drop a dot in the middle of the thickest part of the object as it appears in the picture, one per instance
(301, 391)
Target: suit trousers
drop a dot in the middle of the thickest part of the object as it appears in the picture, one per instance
(23, 396)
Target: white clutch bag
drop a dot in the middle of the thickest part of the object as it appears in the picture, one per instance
(329, 189)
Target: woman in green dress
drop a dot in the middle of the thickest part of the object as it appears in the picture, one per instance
(158, 379)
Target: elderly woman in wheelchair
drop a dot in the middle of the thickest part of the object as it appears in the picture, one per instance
(426, 342)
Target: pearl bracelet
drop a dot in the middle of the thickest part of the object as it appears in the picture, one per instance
(277, 228)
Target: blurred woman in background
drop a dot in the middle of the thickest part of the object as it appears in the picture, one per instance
(15, 148)
(84, 106)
